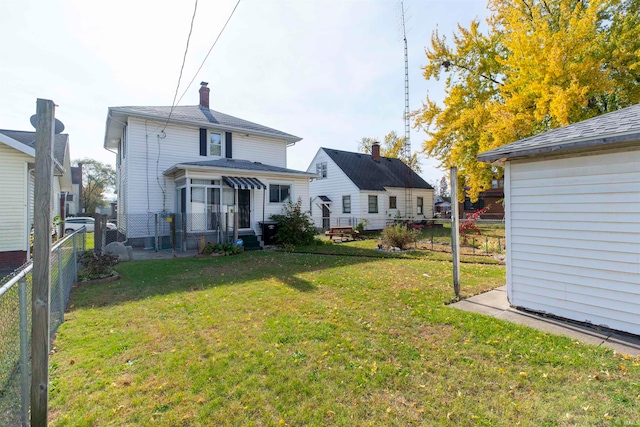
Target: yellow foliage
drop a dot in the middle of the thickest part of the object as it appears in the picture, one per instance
(540, 65)
(392, 147)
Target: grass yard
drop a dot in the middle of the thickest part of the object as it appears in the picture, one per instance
(277, 338)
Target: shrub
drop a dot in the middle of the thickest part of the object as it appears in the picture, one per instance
(96, 266)
(225, 249)
(399, 236)
(468, 225)
(361, 225)
(295, 226)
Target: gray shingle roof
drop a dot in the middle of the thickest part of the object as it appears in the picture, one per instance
(199, 115)
(237, 164)
(617, 127)
(29, 139)
(367, 174)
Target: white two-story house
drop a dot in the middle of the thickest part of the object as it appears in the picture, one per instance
(219, 174)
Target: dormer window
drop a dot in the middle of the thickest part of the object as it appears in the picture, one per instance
(215, 144)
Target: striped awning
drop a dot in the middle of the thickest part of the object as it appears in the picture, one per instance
(243, 183)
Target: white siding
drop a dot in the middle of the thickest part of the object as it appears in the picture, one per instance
(400, 194)
(271, 152)
(13, 187)
(148, 156)
(334, 186)
(573, 238)
(299, 190)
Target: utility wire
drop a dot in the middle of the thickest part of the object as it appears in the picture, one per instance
(184, 58)
(208, 53)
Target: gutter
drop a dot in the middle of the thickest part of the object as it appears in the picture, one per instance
(180, 166)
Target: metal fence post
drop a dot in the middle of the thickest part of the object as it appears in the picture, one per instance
(173, 234)
(25, 381)
(75, 258)
(455, 231)
(155, 217)
(61, 284)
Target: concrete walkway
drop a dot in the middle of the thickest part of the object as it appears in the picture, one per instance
(494, 303)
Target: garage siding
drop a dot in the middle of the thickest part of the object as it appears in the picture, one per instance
(574, 241)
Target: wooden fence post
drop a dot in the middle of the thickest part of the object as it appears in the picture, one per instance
(45, 112)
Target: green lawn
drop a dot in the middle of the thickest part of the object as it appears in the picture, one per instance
(277, 338)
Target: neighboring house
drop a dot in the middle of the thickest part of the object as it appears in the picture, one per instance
(442, 206)
(572, 202)
(492, 200)
(209, 168)
(355, 186)
(74, 198)
(17, 176)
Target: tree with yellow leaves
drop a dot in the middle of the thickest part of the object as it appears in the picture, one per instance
(542, 64)
(392, 147)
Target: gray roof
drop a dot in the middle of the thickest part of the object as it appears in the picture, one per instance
(244, 165)
(29, 139)
(620, 127)
(195, 114)
(367, 174)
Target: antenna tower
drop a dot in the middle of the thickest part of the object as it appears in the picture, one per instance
(406, 152)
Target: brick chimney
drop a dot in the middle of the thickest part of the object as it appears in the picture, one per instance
(375, 151)
(204, 95)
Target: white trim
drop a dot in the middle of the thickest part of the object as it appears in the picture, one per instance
(507, 227)
(291, 185)
(223, 138)
(17, 145)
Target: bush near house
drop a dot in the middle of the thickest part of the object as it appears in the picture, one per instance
(96, 266)
(295, 226)
(225, 249)
(399, 236)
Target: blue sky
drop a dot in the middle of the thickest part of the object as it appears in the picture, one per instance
(328, 71)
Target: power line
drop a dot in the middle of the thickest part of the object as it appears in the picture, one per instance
(208, 53)
(184, 58)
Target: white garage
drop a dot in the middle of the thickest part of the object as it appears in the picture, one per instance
(572, 212)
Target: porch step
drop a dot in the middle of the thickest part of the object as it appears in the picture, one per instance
(251, 242)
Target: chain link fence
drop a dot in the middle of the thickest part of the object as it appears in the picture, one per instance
(160, 231)
(15, 324)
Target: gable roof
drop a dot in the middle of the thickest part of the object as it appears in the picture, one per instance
(244, 165)
(28, 139)
(367, 174)
(197, 116)
(621, 127)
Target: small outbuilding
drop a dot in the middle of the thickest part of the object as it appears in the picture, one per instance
(572, 218)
